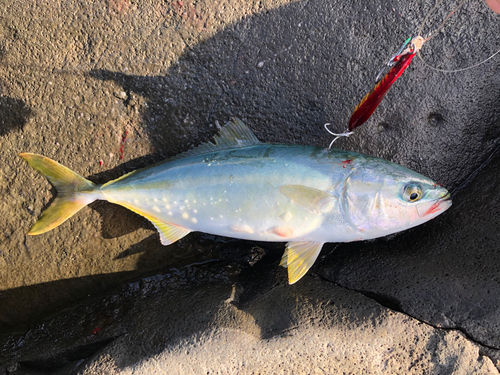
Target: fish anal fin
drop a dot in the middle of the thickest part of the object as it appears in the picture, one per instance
(299, 256)
(169, 233)
(314, 200)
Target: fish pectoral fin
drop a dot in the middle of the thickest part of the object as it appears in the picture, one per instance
(169, 233)
(299, 256)
(314, 200)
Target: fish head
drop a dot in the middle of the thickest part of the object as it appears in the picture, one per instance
(382, 198)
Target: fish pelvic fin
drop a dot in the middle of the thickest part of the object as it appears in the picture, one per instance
(68, 184)
(299, 256)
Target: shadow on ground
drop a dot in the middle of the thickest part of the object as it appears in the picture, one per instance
(14, 114)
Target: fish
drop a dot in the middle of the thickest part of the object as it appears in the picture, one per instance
(237, 186)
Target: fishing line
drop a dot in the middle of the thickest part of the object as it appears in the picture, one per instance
(474, 174)
(435, 32)
(457, 70)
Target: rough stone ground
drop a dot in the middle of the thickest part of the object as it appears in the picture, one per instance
(107, 87)
(311, 327)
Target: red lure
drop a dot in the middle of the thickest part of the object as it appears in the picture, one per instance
(397, 64)
(370, 102)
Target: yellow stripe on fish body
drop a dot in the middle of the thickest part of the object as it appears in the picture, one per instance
(239, 187)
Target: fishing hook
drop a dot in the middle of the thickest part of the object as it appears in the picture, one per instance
(347, 133)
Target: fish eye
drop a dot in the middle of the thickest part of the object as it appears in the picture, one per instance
(412, 193)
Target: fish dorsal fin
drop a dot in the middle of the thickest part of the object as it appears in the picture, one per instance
(314, 200)
(234, 134)
(169, 233)
(299, 256)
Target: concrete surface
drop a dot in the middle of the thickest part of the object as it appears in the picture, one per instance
(107, 87)
(261, 325)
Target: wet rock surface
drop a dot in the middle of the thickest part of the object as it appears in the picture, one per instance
(105, 88)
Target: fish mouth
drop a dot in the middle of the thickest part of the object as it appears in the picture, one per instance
(446, 197)
(436, 207)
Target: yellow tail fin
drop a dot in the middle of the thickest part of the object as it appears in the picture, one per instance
(67, 183)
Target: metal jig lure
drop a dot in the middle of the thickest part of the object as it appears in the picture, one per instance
(394, 68)
(396, 65)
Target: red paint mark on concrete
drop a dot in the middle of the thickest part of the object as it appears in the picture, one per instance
(96, 331)
(122, 145)
(119, 6)
(190, 15)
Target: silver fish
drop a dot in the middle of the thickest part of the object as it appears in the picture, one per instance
(240, 187)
